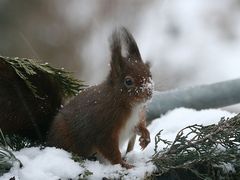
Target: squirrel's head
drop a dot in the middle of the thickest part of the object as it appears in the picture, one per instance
(129, 74)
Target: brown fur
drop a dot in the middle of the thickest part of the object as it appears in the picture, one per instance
(92, 122)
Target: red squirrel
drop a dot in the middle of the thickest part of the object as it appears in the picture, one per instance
(102, 117)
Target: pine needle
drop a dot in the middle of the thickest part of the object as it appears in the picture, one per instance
(202, 150)
(7, 158)
(26, 68)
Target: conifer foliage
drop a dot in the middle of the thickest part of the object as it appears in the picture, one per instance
(40, 84)
(25, 67)
(201, 151)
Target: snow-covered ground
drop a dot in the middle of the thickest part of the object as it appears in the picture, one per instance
(53, 164)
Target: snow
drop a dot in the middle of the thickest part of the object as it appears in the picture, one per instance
(52, 163)
(49, 163)
(228, 167)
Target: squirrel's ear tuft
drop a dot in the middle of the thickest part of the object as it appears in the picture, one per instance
(122, 39)
(131, 45)
(116, 52)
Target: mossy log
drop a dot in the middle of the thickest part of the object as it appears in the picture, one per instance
(30, 95)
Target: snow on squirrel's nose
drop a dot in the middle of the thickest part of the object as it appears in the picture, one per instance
(147, 86)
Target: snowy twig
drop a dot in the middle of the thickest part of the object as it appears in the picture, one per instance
(7, 158)
(196, 144)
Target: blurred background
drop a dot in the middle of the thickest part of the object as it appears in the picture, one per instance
(188, 42)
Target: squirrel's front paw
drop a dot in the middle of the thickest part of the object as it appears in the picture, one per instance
(144, 139)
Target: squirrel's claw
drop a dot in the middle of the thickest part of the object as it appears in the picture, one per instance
(144, 140)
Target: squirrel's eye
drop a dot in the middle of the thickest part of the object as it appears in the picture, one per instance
(128, 81)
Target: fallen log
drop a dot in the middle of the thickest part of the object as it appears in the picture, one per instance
(215, 95)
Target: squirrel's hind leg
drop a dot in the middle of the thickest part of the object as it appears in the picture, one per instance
(110, 150)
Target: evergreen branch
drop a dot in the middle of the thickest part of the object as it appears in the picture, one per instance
(213, 146)
(70, 86)
(7, 158)
(26, 68)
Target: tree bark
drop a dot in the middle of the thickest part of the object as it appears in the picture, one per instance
(200, 97)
